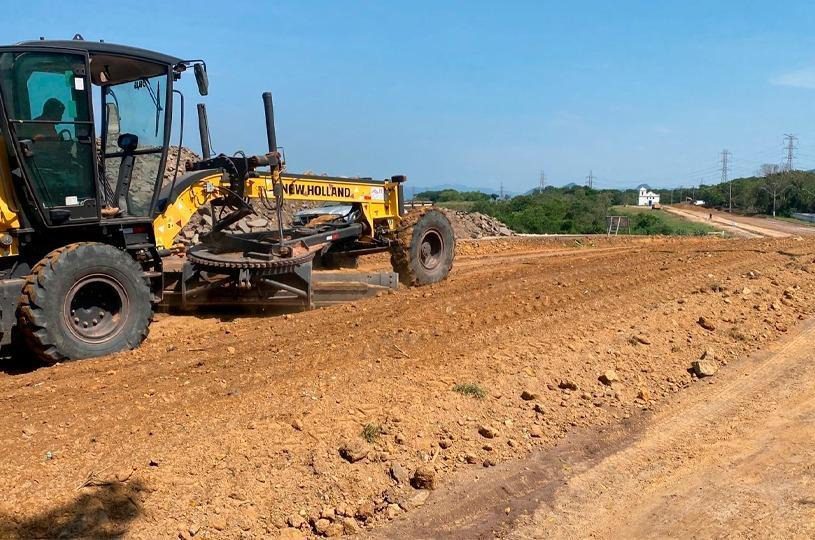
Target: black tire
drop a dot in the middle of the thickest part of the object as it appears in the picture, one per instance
(84, 300)
(424, 249)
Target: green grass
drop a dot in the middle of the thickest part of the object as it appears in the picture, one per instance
(371, 432)
(647, 221)
(470, 389)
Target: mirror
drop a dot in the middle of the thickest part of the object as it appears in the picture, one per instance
(201, 78)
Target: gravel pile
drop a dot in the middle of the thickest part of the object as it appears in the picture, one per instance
(475, 224)
(264, 219)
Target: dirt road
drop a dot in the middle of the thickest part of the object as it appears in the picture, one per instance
(732, 458)
(742, 226)
(250, 427)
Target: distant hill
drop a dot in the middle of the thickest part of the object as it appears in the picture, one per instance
(414, 188)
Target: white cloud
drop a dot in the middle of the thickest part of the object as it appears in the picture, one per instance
(800, 78)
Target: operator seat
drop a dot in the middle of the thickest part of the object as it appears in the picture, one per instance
(128, 143)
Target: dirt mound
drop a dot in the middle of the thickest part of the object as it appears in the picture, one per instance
(475, 224)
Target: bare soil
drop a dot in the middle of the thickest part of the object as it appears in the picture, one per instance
(742, 226)
(231, 426)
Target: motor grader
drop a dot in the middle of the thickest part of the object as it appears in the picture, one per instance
(89, 222)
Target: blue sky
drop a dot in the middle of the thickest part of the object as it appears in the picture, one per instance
(478, 93)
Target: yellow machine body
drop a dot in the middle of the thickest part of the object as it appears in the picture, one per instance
(378, 200)
(9, 218)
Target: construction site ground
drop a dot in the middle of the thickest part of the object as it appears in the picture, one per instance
(591, 420)
(742, 226)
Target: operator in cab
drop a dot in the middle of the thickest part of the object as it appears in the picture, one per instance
(52, 111)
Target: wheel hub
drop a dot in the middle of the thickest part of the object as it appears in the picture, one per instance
(95, 307)
(431, 249)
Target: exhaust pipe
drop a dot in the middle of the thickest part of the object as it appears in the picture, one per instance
(203, 131)
(268, 108)
(271, 138)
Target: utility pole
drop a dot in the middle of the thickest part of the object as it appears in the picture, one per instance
(774, 188)
(590, 178)
(725, 156)
(790, 141)
(542, 182)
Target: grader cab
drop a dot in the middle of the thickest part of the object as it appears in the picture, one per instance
(88, 220)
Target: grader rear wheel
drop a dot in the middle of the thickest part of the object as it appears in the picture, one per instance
(424, 249)
(84, 300)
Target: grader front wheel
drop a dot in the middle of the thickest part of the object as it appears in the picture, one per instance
(84, 300)
(424, 249)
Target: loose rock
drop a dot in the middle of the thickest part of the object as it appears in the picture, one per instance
(399, 473)
(218, 523)
(350, 526)
(365, 512)
(706, 324)
(290, 534)
(488, 431)
(322, 525)
(393, 510)
(705, 367)
(424, 478)
(353, 451)
(609, 377)
(566, 384)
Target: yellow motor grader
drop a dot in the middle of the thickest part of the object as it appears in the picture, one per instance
(89, 223)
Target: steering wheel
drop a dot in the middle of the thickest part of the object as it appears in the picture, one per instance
(65, 135)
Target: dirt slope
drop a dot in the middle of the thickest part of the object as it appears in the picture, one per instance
(232, 427)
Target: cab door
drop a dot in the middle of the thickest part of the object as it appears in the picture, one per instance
(47, 99)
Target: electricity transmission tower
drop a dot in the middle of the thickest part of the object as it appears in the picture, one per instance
(789, 144)
(542, 182)
(590, 179)
(725, 156)
(502, 190)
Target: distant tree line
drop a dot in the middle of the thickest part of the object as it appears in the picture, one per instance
(450, 195)
(569, 210)
(576, 209)
(794, 192)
